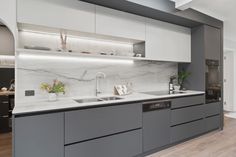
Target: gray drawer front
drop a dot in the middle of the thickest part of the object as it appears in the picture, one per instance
(212, 109)
(91, 123)
(187, 114)
(187, 130)
(127, 144)
(212, 123)
(188, 101)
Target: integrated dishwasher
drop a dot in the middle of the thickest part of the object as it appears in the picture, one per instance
(156, 124)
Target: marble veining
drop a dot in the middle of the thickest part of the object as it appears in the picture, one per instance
(80, 77)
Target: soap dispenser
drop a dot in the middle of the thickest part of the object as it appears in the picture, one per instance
(171, 84)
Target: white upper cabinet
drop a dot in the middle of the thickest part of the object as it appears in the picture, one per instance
(120, 24)
(167, 42)
(64, 14)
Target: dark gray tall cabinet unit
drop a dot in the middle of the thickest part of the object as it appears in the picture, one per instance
(212, 41)
(206, 45)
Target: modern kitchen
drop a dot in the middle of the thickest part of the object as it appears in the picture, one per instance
(89, 78)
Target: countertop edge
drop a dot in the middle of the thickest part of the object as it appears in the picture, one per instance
(17, 113)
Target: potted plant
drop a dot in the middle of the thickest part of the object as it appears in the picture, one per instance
(182, 76)
(54, 89)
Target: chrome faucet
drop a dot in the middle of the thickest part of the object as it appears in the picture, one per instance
(99, 75)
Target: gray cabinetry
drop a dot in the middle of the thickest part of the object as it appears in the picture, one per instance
(188, 130)
(212, 109)
(212, 114)
(212, 42)
(212, 123)
(96, 122)
(187, 114)
(187, 117)
(39, 136)
(156, 129)
(187, 101)
(127, 144)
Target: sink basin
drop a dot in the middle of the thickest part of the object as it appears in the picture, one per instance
(87, 100)
(111, 98)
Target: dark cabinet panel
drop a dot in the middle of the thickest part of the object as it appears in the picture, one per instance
(96, 122)
(4, 108)
(4, 114)
(212, 109)
(212, 123)
(4, 124)
(127, 144)
(39, 136)
(187, 114)
(212, 43)
(156, 129)
(188, 130)
(187, 101)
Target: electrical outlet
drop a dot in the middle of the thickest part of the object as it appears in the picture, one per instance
(29, 93)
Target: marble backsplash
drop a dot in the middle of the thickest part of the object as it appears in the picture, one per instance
(79, 78)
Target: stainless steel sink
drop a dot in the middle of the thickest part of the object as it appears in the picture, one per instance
(87, 100)
(111, 98)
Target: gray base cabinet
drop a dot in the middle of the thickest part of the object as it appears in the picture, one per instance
(113, 131)
(190, 117)
(212, 123)
(156, 129)
(127, 144)
(212, 109)
(39, 136)
(188, 130)
(96, 122)
(187, 114)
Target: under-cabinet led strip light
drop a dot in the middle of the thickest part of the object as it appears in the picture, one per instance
(73, 58)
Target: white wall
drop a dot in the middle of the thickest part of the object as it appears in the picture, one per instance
(6, 41)
(8, 14)
(229, 77)
(229, 45)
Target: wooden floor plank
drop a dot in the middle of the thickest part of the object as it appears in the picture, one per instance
(6, 145)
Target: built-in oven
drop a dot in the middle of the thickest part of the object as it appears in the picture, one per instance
(213, 85)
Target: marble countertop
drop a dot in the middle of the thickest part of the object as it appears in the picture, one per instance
(69, 103)
(6, 93)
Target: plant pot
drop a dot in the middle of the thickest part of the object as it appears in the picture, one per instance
(52, 97)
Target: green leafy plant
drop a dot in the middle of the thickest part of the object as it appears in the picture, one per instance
(182, 76)
(56, 87)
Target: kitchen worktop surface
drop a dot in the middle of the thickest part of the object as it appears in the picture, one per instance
(69, 103)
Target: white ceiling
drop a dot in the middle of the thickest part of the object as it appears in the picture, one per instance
(221, 9)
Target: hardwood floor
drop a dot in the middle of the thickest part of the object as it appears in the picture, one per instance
(5, 145)
(215, 144)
